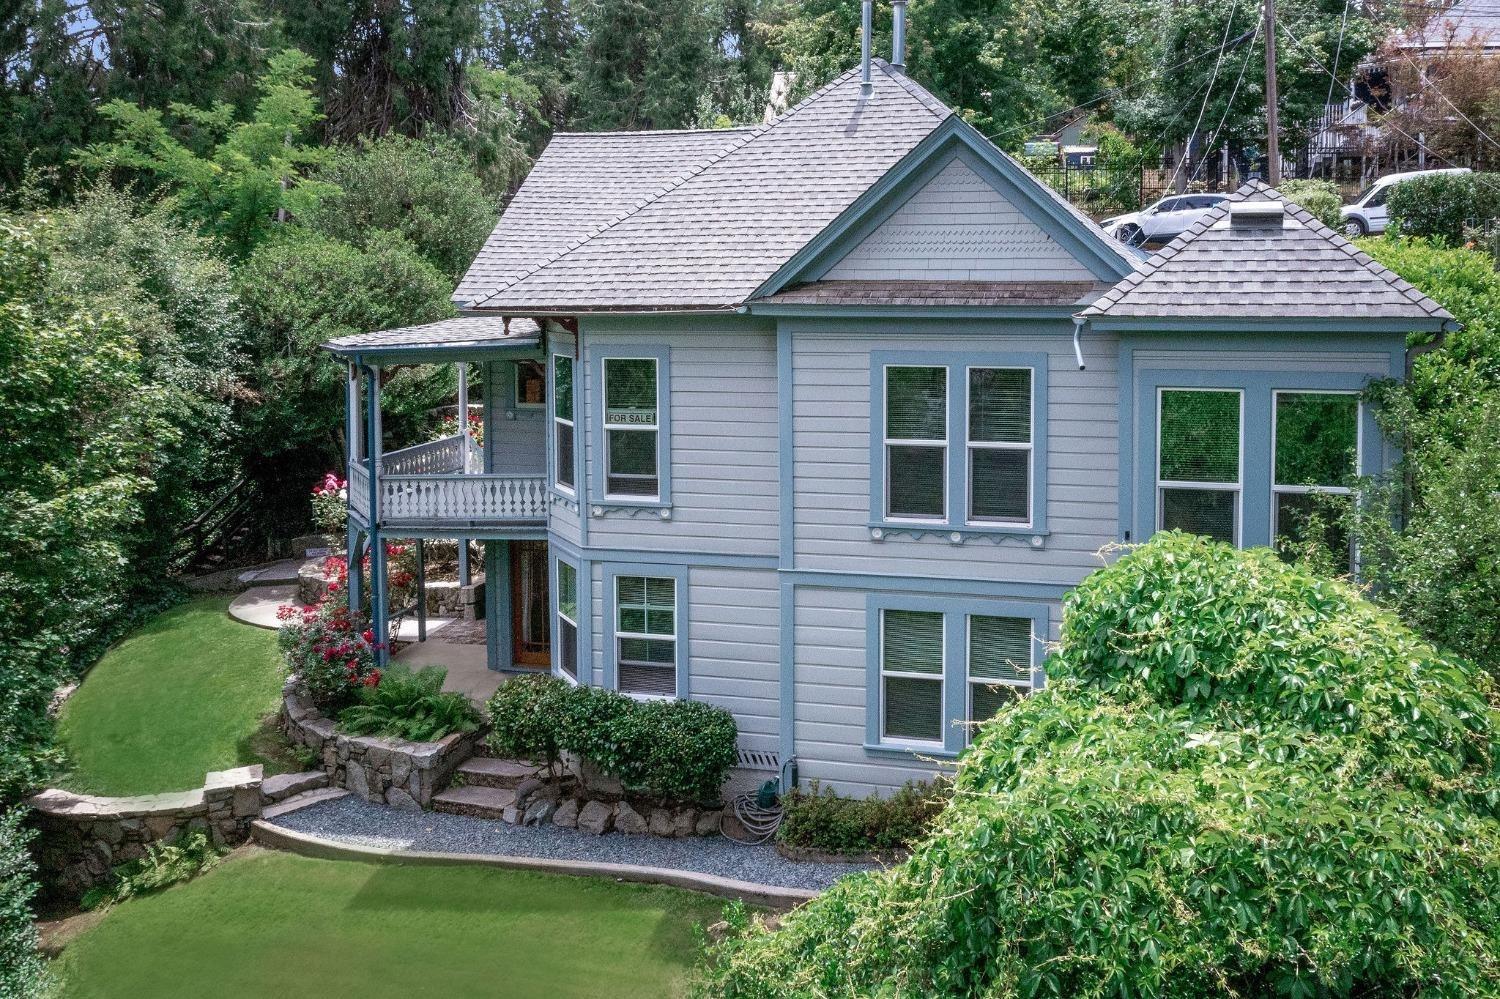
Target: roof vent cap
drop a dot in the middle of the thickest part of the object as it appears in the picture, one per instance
(1256, 214)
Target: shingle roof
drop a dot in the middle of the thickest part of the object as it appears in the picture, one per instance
(581, 182)
(1465, 23)
(1299, 269)
(939, 293)
(463, 331)
(710, 234)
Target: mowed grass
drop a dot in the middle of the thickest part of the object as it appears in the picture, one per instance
(183, 695)
(268, 924)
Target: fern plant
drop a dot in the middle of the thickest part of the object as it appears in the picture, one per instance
(164, 865)
(403, 704)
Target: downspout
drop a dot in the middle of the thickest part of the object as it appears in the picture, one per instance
(1078, 322)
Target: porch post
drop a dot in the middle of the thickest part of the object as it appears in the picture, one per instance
(351, 419)
(421, 590)
(379, 594)
(464, 577)
(354, 584)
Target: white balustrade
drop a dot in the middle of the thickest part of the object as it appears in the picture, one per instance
(359, 489)
(446, 454)
(457, 497)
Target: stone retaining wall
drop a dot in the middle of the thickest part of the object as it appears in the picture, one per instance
(84, 836)
(398, 773)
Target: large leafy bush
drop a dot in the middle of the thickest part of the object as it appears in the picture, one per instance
(22, 970)
(675, 750)
(1320, 197)
(402, 704)
(331, 650)
(819, 819)
(1240, 780)
(1441, 205)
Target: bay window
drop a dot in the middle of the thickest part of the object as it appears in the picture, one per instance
(1199, 460)
(567, 619)
(563, 434)
(1316, 461)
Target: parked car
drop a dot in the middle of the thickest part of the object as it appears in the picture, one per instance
(1367, 214)
(1167, 219)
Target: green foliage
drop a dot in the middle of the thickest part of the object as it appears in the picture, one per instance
(1320, 197)
(1440, 206)
(822, 820)
(232, 177)
(401, 704)
(1240, 779)
(426, 191)
(641, 63)
(676, 750)
(164, 865)
(23, 973)
(331, 650)
(302, 290)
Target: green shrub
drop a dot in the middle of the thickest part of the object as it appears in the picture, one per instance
(675, 750)
(401, 704)
(1441, 205)
(1319, 197)
(331, 650)
(164, 865)
(23, 973)
(1239, 780)
(819, 819)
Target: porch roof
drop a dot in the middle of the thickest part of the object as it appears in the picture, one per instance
(462, 335)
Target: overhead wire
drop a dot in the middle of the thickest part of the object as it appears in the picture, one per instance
(1212, 79)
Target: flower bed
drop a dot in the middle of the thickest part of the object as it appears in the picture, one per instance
(399, 773)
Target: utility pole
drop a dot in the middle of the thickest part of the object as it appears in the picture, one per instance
(1273, 144)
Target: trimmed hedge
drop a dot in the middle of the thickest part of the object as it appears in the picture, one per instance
(1443, 205)
(819, 819)
(673, 750)
(1240, 779)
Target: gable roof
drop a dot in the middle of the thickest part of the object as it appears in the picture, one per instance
(1296, 270)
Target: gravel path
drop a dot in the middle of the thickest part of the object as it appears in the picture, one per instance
(350, 820)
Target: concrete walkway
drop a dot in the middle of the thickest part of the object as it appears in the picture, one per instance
(259, 604)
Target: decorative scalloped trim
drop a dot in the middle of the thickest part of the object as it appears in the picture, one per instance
(658, 511)
(556, 498)
(1035, 540)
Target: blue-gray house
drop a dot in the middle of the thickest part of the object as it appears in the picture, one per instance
(819, 420)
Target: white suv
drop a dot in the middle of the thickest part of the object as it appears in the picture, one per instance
(1166, 220)
(1366, 215)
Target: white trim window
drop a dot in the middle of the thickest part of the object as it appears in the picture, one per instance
(998, 437)
(567, 619)
(1200, 462)
(916, 442)
(531, 385)
(911, 677)
(646, 635)
(564, 437)
(632, 427)
(1316, 443)
(1000, 668)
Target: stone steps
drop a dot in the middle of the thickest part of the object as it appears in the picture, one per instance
(487, 771)
(278, 788)
(302, 800)
(477, 800)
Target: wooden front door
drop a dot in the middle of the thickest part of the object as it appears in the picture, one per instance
(530, 617)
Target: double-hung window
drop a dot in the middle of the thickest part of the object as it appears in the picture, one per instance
(563, 436)
(1199, 462)
(631, 427)
(1317, 458)
(916, 442)
(999, 443)
(999, 663)
(911, 676)
(646, 635)
(567, 619)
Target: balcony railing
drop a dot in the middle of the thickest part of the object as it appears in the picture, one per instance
(459, 497)
(437, 482)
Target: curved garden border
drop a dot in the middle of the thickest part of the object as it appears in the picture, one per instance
(769, 896)
(399, 773)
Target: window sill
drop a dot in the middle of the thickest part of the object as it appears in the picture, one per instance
(910, 752)
(959, 534)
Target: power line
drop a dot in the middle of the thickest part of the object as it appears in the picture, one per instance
(1213, 78)
(1228, 106)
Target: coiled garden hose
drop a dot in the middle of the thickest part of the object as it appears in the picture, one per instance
(758, 820)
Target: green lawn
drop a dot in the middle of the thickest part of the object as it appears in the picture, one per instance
(183, 695)
(269, 924)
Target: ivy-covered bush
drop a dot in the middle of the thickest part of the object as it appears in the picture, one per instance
(819, 819)
(1240, 780)
(330, 649)
(673, 750)
(22, 970)
(1441, 205)
(402, 704)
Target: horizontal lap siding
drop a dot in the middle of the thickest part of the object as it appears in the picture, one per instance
(724, 437)
(1261, 358)
(831, 403)
(734, 636)
(518, 433)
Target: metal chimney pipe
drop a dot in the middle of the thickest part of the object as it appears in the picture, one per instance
(867, 85)
(898, 35)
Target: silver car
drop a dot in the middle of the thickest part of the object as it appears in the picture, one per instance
(1166, 220)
